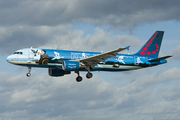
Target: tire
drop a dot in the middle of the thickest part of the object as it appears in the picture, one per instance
(28, 74)
(79, 79)
(89, 75)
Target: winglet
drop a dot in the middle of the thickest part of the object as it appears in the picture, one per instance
(127, 47)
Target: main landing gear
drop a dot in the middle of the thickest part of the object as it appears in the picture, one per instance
(29, 73)
(79, 78)
(89, 75)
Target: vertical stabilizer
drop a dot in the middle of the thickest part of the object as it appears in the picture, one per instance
(152, 46)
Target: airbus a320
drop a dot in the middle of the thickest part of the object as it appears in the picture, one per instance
(63, 62)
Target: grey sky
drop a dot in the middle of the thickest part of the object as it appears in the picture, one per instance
(37, 23)
(41, 97)
(150, 94)
(122, 14)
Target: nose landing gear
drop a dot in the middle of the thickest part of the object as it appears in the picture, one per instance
(29, 73)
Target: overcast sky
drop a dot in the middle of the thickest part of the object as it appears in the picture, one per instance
(89, 25)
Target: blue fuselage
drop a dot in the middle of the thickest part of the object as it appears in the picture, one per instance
(49, 58)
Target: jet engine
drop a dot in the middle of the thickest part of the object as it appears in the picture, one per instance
(70, 65)
(57, 72)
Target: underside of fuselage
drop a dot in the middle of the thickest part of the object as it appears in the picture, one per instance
(99, 67)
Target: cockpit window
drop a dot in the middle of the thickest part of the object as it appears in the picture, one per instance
(20, 53)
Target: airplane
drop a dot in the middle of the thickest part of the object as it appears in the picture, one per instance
(63, 62)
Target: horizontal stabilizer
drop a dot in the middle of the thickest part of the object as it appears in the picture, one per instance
(161, 58)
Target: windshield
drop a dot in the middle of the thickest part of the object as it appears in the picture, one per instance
(18, 53)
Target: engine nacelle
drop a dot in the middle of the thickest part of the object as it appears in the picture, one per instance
(57, 72)
(70, 65)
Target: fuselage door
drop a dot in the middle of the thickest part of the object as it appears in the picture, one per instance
(30, 54)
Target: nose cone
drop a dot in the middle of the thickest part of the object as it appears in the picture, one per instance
(7, 59)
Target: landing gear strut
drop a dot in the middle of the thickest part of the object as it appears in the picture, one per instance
(88, 75)
(29, 73)
(79, 78)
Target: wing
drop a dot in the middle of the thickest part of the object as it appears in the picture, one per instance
(94, 60)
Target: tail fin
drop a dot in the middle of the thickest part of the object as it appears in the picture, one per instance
(152, 46)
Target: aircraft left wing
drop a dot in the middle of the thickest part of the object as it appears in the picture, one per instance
(94, 60)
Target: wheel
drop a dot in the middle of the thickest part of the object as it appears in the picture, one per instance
(89, 75)
(28, 74)
(79, 79)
